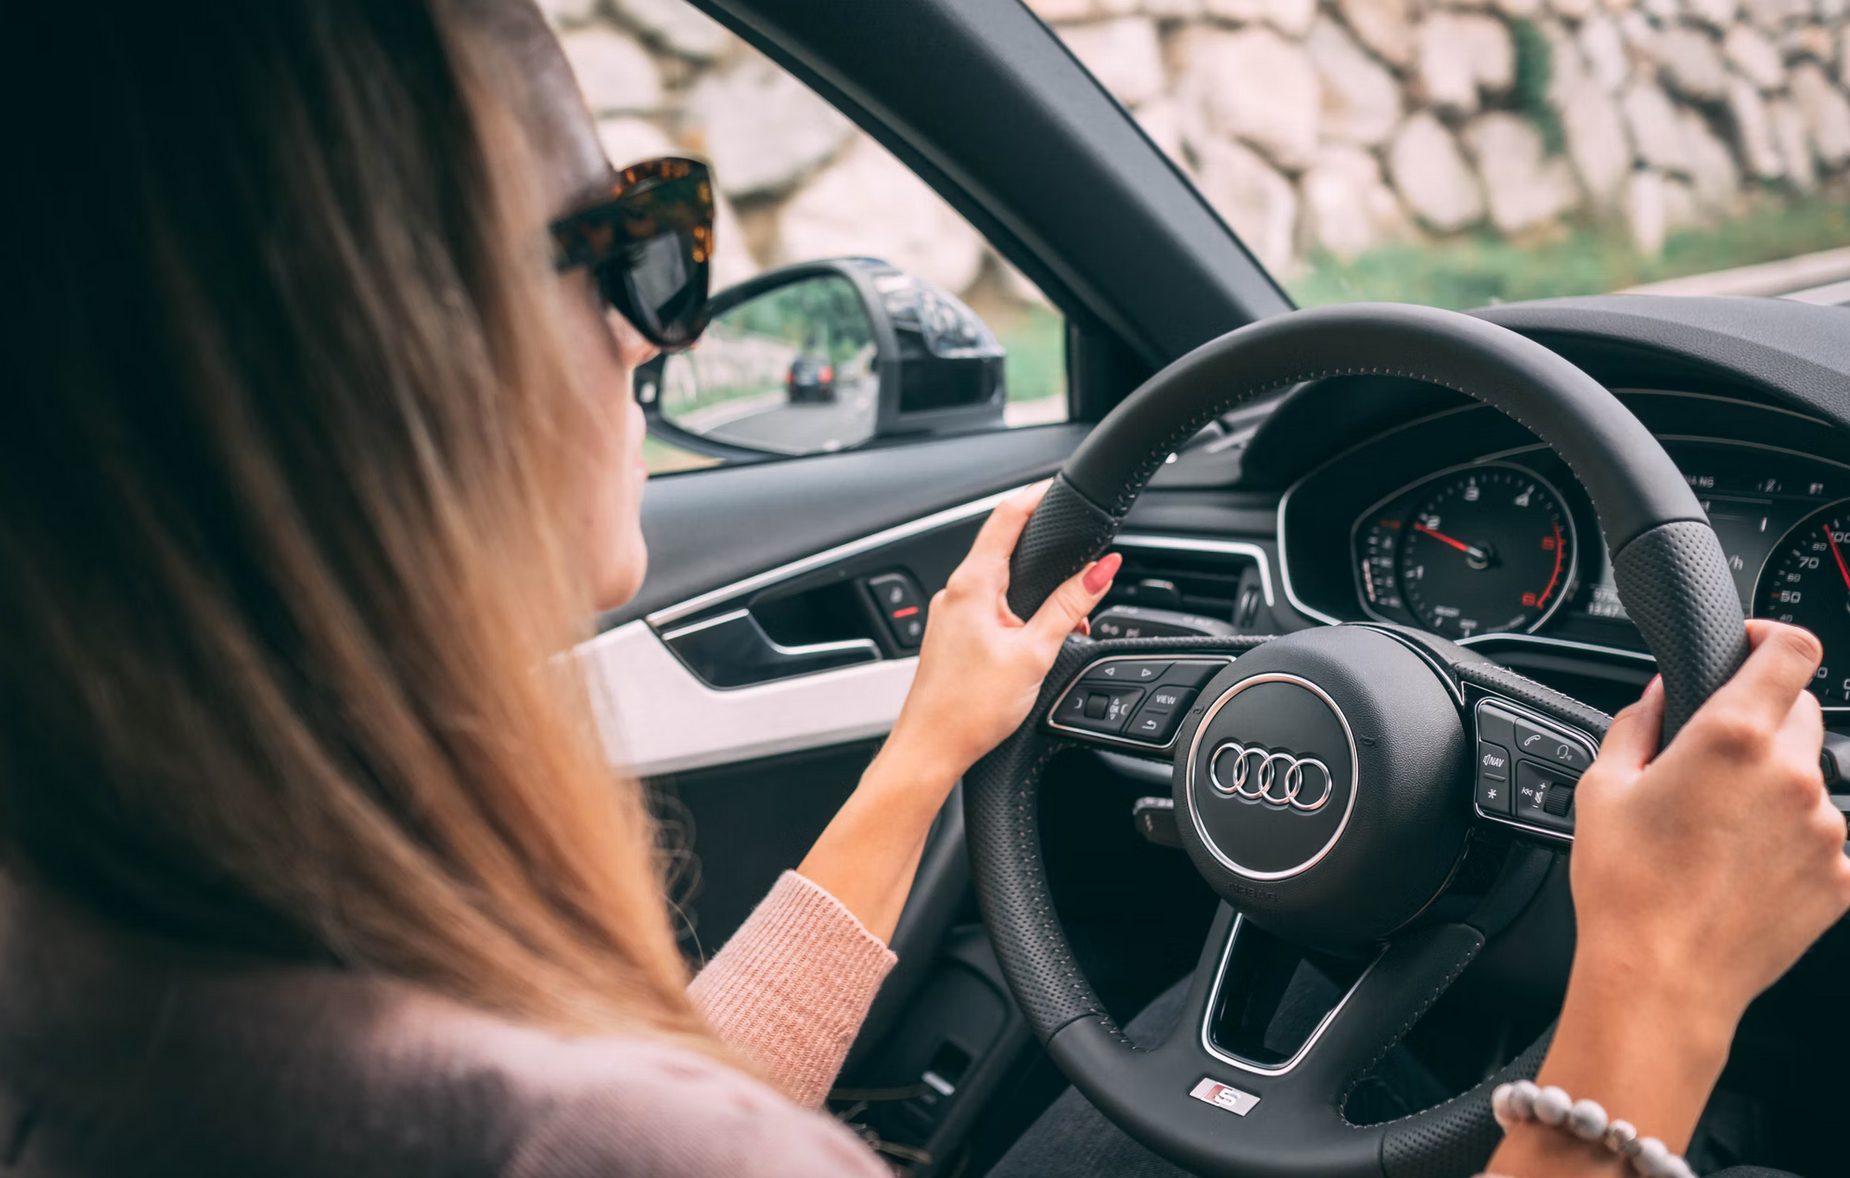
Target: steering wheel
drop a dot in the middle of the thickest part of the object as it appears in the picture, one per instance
(1329, 785)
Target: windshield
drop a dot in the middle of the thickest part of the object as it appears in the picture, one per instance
(1391, 149)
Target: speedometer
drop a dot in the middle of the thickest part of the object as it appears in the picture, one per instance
(1806, 582)
(1488, 549)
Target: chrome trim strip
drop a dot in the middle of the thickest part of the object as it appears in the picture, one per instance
(796, 568)
(864, 645)
(1194, 746)
(1143, 746)
(1254, 552)
(1284, 564)
(1565, 643)
(655, 716)
(1246, 1065)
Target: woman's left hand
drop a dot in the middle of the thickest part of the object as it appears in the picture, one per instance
(981, 667)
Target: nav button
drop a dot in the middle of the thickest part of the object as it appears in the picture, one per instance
(1493, 778)
(1493, 761)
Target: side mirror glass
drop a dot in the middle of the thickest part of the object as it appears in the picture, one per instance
(827, 356)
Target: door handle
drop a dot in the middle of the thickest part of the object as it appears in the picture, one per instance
(733, 650)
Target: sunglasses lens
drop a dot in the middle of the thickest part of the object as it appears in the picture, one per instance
(659, 277)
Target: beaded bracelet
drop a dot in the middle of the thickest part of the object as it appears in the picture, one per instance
(1523, 1101)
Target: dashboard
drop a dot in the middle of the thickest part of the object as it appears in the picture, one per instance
(1461, 524)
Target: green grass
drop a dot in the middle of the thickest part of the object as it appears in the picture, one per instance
(663, 458)
(1475, 270)
(1035, 338)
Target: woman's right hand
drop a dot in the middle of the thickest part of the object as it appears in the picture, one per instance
(1712, 866)
(1700, 874)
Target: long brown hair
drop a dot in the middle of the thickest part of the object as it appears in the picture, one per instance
(288, 458)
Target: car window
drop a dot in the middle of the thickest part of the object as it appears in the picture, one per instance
(910, 323)
(1461, 153)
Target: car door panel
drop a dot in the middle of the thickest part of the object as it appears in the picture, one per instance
(709, 529)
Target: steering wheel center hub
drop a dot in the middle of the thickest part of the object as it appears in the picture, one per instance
(1271, 776)
(1320, 788)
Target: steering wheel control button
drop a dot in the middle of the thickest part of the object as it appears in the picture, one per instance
(1493, 778)
(1126, 671)
(1092, 707)
(1560, 799)
(1169, 699)
(1192, 674)
(1545, 796)
(1134, 701)
(901, 606)
(1154, 726)
(1496, 725)
(1550, 744)
(1493, 762)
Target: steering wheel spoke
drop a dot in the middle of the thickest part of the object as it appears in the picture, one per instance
(1270, 1045)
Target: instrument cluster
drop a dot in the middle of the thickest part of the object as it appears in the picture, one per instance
(1454, 525)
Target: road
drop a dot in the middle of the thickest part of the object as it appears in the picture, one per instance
(772, 423)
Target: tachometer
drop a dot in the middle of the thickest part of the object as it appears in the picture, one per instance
(1807, 582)
(1487, 549)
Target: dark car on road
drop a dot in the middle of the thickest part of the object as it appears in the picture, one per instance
(811, 379)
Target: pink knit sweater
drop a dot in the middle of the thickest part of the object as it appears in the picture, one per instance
(790, 989)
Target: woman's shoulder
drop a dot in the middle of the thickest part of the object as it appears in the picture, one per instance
(634, 1105)
(124, 1064)
(641, 1107)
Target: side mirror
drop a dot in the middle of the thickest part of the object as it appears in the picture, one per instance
(826, 356)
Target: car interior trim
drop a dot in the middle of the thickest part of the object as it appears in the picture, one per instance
(844, 646)
(1251, 551)
(1246, 1065)
(641, 696)
(951, 515)
(1444, 673)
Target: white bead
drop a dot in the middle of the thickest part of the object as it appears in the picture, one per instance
(1500, 1106)
(1654, 1159)
(1586, 1120)
(1621, 1136)
(1551, 1105)
(1522, 1100)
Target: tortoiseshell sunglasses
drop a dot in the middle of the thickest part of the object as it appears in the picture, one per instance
(650, 245)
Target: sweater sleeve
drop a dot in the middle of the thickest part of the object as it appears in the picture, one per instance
(790, 989)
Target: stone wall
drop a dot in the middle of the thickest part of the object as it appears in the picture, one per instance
(1317, 127)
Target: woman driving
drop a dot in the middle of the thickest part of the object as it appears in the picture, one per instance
(318, 449)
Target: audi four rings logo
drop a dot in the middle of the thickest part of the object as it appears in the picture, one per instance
(1261, 775)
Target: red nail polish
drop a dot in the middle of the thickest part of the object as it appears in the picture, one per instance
(1100, 574)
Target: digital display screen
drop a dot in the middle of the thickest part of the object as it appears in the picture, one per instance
(1749, 507)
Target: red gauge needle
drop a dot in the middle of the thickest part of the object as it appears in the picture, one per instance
(1442, 538)
(1838, 553)
(1477, 558)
